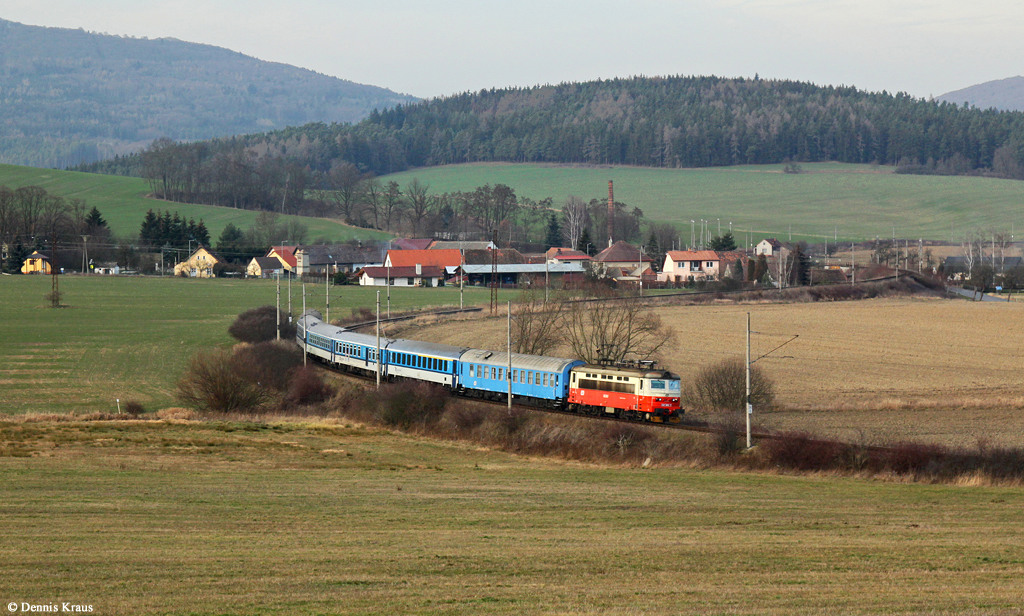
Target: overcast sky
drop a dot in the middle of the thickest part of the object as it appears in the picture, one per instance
(424, 48)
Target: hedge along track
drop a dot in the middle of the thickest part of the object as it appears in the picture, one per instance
(701, 427)
(369, 379)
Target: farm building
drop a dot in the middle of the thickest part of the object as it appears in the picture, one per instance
(453, 245)
(526, 274)
(404, 243)
(200, 264)
(439, 258)
(404, 276)
(334, 258)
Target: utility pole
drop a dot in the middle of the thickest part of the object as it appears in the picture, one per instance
(305, 325)
(378, 339)
(853, 264)
(279, 304)
(85, 252)
(327, 291)
(546, 280)
(462, 275)
(749, 409)
(508, 373)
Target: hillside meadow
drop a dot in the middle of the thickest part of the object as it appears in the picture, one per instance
(828, 200)
(123, 203)
(323, 517)
(130, 338)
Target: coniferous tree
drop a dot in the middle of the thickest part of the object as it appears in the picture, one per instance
(554, 237)
(761, 269)
(202, 234)
(655, 252)
(231, 242)
(94, 220)
(587, 244)
(724, 243)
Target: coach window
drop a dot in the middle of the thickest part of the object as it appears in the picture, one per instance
(529, 378)
(501, 374)
(515, 376)
(545, 379)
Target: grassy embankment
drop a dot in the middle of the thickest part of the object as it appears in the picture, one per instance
(131, 337)
(122, 202)
(320, 518)
(859, 202)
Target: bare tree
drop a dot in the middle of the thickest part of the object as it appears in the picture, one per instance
(614, 329)
(346, 181)
(420, 202)
(391, 204)
(575, 218)
(782, 267)
(374, 199)
(723, 387)
(536, 326)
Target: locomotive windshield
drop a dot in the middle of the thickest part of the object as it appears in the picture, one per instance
(668, 386)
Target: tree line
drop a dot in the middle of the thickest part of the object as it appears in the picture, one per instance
(659, 122)
(32, 219)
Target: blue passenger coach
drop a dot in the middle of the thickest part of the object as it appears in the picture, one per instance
(338, 346)
(425, 361)
(535, 378)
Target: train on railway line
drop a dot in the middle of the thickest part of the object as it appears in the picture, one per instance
(639, 392)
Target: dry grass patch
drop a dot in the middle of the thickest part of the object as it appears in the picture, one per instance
(254, 517)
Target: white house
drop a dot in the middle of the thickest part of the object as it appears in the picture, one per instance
(681, 265)
(767, 247)
(403, 276)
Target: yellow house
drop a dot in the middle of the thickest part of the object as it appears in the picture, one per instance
(201, 264)
(263, 267)
(36, 263)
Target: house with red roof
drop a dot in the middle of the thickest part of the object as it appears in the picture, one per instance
(623, 262)
(404, 276)
(409, 258)
(286, 255)
(566, 255)
(681, 265)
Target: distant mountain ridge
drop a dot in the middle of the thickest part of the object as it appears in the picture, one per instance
(1003, 94)
(71, 96)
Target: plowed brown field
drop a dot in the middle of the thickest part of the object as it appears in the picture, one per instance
(878, 370)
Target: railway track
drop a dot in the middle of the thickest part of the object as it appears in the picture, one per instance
(689, 426)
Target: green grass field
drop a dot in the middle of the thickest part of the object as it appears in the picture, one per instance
(123, 204)
(129, 338)
(322, 518)
(857, 202)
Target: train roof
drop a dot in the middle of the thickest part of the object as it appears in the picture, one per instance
(316, 326)
(650, 373)
(519, 361)
(444, 351)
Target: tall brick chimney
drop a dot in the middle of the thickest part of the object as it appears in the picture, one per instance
(611, 212)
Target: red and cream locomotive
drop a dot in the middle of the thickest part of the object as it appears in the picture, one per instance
(639, 391)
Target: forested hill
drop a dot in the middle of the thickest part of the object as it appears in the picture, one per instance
(662, 122)
(70, 96)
